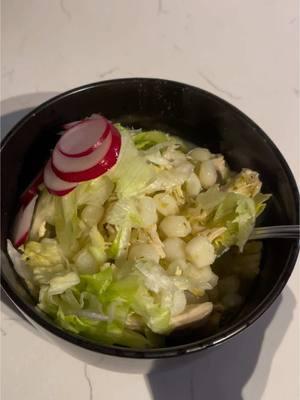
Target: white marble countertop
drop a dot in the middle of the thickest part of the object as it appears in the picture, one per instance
(245, 52)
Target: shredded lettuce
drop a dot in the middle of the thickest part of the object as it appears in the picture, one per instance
(60, 284)
(230, 214)
(66, 222)
(132, 173)
(210, 199)
(99, 262)
(247, 182)
(260, 200)
(44, 215)
(21, 267)
(98, 305)
(45, 253)
(157, 280)
(121, 210)
(123, 215)
(94, 192)
(97, 246)
(147, 139)
(107, 333)
(172, 178)
(45, 260)
(237, 214)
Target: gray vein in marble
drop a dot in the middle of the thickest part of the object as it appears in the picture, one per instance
(88, 379)
(160, 9)
(108, 72)
(8, 74)
(217, 87)
(11, 319)
(296, 91)
(23, 42)
(65, 10)
(176, 47)
(293, 20)
(3, 332)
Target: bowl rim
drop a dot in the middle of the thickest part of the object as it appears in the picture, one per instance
(195, 346)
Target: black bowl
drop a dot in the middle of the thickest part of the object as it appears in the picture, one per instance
(186, 111)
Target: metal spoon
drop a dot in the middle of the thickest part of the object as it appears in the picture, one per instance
(281, 231)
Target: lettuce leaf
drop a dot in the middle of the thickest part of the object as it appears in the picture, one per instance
(146, 139)
(60, 284)
(94, 192)
(97, 246)
(98, 283)
(22, 268)
(154, 314)
(158, 281)
(237, 214)
(210, 199)
(45, 259)
(132, 173)
(124, 216)
(170, 179)
(246, 182)
(233, 211)
(63, 214)
(46, 253)
(119, 247)
(44, 215)
(66, 221)
(260, 200)
(99, 304)
(121, 210)
(121, 296)
(108, 333)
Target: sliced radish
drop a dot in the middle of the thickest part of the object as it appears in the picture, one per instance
(23, 223)
(103, 164)
(31, 190)
(69, 164)
(70, 125)
(84, 137)
(54, 184)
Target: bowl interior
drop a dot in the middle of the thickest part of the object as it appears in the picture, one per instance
(191, 113)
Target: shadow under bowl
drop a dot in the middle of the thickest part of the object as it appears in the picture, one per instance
(193, 114)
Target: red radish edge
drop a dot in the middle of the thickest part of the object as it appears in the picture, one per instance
(54, 184)
(31, 190)
(69, 164)
(74, 130)
(23, 222)
(22, 239)
(99, 168)
(60, 192)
